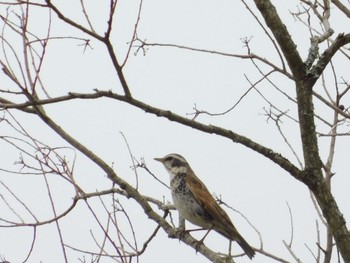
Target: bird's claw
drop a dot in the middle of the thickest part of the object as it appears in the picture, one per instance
(199, 243)
(181, 231)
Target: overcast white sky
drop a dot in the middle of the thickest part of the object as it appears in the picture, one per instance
(172, 79)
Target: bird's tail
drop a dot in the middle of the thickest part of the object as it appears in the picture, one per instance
(235, 236)
(245, 246)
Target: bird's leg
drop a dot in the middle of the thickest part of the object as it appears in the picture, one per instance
(181, 223)
(182, 228)
(200, 242)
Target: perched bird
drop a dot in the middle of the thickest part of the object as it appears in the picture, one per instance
(195, 204)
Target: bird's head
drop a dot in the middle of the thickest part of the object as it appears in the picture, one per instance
(174, 164)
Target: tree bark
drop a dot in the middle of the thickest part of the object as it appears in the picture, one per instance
(313, 176)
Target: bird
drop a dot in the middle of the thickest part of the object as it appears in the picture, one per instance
(194, 202)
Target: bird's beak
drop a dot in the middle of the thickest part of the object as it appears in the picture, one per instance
(159, 159)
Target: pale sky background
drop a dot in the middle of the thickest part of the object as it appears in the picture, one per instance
(172, 79)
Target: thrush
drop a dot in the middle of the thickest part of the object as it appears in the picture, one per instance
(194, 202)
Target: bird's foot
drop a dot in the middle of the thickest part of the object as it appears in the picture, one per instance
(198, 244)
(178, 232)
(181, 231)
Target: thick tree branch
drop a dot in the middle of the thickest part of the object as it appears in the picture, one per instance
(304, 82)
(315, 72)
(341, 7)
(212, 129)
(285, 41)
(132, 192)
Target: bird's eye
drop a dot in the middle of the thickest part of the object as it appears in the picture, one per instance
(168, 158)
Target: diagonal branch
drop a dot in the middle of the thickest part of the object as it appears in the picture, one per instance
(71, 22)
(252, 56)
(326, 57)
(105, 40)
(211, 129)
(285, 41)
(341, 7)
(132, 192)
